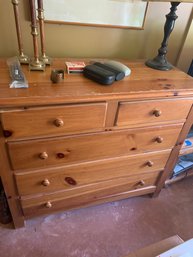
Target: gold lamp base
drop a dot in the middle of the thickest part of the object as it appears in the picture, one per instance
(36, 65)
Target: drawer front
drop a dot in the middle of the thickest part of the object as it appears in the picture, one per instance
(76, 176)
(67, 119)
(146, 112)
(100, 192)
(60, 151)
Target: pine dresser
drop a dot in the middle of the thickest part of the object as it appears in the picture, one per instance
(78, 143)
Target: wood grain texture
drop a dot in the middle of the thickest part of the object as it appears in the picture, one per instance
(66, 150)
(43, 121)
(88, 200)
(138, 113)
(79, 143)
(9, 186)
(175, 152)
(87, 195)
(142, 83)
(89, 173)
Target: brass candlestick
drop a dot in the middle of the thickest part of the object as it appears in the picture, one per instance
(22, 57)
(44, 58)
(35, 63)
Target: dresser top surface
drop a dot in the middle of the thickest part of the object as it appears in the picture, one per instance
(143, 83)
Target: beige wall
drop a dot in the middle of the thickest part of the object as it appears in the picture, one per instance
(85, 41)
(186, 54)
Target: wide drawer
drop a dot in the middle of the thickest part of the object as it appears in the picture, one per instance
(100, 192)
(75, 176)
(67, 119)
(66, 150)
(152, 112)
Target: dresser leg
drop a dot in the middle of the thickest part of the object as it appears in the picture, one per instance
(175, 153)
(168, 169)
(151, 195)
(6, 176)
(156, 194)
(18, 222)
(17, 217)
(15, 209)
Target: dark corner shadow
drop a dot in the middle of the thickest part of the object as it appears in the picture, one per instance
(7, 226)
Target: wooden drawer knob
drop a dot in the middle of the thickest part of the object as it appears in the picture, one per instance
(159, 139)
(59, 123)
(46, 182)
(157, 113)
(149, 163)
(43, 156)
(48, 205)
(70, 181)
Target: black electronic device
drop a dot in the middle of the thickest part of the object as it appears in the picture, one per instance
(99, 74)
(118, 74)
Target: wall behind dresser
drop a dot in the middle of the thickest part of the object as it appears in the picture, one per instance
(85, 41)
(186, 54)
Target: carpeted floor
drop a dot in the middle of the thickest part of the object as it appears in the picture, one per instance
(108, 230)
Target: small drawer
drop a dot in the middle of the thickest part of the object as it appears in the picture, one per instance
(89, 195)
(133, 114)
(76, 176)
(67, 150)
(45, 121)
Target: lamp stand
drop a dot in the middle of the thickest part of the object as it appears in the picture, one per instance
(160, 61)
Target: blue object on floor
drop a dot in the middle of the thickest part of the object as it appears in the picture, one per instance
(188, 142)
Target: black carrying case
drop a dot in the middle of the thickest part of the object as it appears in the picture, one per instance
(99, 74)
(119, 75)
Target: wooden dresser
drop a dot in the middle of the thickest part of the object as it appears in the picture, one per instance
(78, 143)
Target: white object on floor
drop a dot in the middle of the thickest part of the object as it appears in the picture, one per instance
(183, 250)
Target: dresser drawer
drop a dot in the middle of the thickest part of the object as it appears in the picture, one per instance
(60, 151)
(76, 176)
(152, 112)
(89, 194)
(68, 119)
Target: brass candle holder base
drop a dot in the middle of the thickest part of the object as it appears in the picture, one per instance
(47, 60)
(23, 59)
(36, 65)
